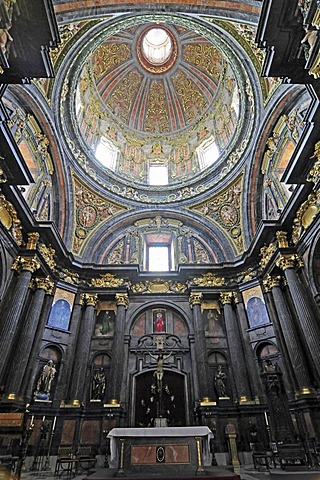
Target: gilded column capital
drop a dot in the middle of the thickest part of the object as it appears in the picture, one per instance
(282, 238)
(46, 284)
(89, 299)
(30, 264)
(237, 297)
(195, 299)
(314, 173)
(271, 281)
(122, 299)
(289, 261)
(226, 298)
(33, 238)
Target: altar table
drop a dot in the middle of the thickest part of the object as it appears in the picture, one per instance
(160, 450)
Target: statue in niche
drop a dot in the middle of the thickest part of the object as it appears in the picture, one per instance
(220, 382)
(46, 378)
(98, 385)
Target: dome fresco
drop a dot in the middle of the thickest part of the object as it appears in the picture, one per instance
(183, 118)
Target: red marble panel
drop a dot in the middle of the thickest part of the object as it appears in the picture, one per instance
(143, 454)
(177, 454)
(68, 432)
(90, 432)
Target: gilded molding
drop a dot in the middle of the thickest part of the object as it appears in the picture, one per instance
(195, 299)
(122, 299)
(315, 68)
(158, 286)
(305, 215)
(89, 299)
(108, 281)
(289, 261)
(208, 280)
(266, 254)
(226, 297)
(30, 264)
(46, 284)
(48, 254)
(33, 238)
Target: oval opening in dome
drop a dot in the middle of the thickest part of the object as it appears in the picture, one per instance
(157, 46)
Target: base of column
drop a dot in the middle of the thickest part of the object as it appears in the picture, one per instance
(71, 404)
(12, 397)
(246, 401)
(207, 402)
(112, 402)
(305, 392)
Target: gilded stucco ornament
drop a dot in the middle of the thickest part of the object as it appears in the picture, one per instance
(10, 220)
(195, 299)
(92, 210)
(282, 238)
(266, 253)
(314, 173)
(108, 281)
(224, 210)
(48, 254)
(33, 238)
(208, 280)
(69, 277)
(158, 286)
(307, 212)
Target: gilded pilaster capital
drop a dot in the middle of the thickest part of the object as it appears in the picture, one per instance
(195, 299)
(89, 299)
(314, 173)
(46, 284)
(289, 261)
(237, 297)
(226, 298)
(282, 238)
(33, 238)
(122, 299)
(30, 264)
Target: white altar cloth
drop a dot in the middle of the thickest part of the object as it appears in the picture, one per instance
(163, 432)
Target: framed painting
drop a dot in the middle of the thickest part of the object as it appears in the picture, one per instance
(255, 306)
(61, 308)
(159, 321)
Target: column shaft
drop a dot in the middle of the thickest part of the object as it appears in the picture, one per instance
(117, 366)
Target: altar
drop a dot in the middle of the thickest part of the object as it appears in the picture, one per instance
(165, 450)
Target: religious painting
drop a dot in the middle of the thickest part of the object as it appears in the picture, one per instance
(212, 318)
(159, 321)
(105, 321)
(61, 308)
(255, 306)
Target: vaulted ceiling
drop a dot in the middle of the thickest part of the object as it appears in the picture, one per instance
(200, 109)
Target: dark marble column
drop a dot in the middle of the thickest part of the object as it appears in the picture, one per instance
(10, 322)
(251, 362)
(62, 391)
(236, 352)
(32, 369)
(195, 382)
(82, 351)
(291, 338)
(200, 344)
(118, 353)
(306, 312)
(19, 360)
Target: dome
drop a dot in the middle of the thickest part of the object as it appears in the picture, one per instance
(160, 106)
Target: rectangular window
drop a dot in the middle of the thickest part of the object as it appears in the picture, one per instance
(158, 175)
(158, 258)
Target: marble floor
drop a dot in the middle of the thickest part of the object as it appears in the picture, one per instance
(247, 473)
